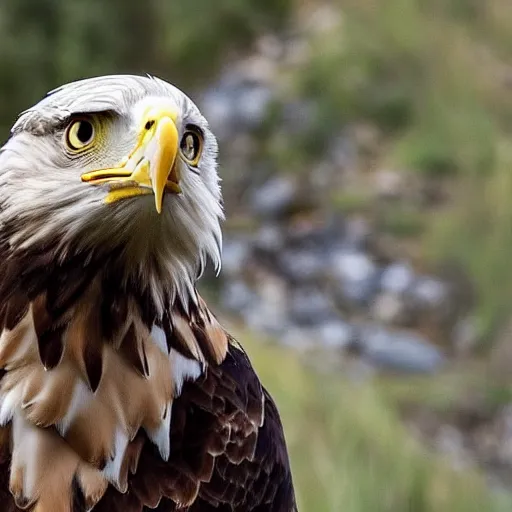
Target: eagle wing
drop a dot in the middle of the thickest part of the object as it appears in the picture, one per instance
(218, 446)
(228, 451)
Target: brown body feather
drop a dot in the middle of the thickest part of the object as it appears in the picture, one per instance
(108, 408)
(221, 459)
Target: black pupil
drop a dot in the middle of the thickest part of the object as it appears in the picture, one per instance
(84, 132)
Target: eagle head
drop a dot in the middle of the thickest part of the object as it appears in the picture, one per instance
(117, 170)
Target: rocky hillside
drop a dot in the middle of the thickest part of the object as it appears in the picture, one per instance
(363, 153)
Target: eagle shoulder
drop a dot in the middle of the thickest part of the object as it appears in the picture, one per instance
(164, 413)
(228, 451)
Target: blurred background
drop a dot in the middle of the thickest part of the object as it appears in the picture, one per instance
(367, 167)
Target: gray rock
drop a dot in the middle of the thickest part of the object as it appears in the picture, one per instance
(336, 334)
(237, 296)
(429, 292)
(503, 429)
(399, 351)
(450, 442)
(309, 307)
(357, 293)
(296, 118)
(356, 274)
(264, 318)
(353, 266)
(359, 371)
(270, 47)
(236, 103)
(274, 197)
(269, 238)
(323, 19)
(299, 338)
(325, 237)
(389, 184)
(218, 106)
(302, 265)
(235, 254)
(357, 233)
(252, 105)
(343, 152)
(389, 308)
(397, 278)
(270, 314)
(465, 335)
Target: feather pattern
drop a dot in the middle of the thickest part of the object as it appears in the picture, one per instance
(129, 382)
(119, 389)
(201, 419)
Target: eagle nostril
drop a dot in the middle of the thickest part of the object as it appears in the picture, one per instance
(149, 125)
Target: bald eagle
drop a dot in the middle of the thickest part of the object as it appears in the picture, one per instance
(119, 389)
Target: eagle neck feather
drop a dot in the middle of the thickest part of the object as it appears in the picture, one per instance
(81, 341)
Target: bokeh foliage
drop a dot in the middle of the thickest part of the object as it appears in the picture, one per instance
(350, 452)
(434, 78)
(431, 75)
(44, 43)
(411, 68)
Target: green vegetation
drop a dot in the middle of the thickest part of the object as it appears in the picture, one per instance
(431, 76)
(349, 450)
(44, 43)
(402, 222)
(434, 78)
(413, 69)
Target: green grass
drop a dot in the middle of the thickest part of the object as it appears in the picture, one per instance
(349, 450)
(402, 221)
(351, 202)
(477, 234)
(68, 40)
(416, 70)
(433, 78)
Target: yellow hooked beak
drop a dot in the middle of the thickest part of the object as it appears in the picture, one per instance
(151, 167)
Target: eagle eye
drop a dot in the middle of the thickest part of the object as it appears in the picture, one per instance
(80, 134)
(191, 145)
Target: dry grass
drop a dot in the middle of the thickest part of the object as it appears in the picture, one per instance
(351, 453)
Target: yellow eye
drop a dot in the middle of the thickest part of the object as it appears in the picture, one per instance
(191, 145)
(80, 134)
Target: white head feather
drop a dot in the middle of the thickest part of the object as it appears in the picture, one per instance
(42, 192)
